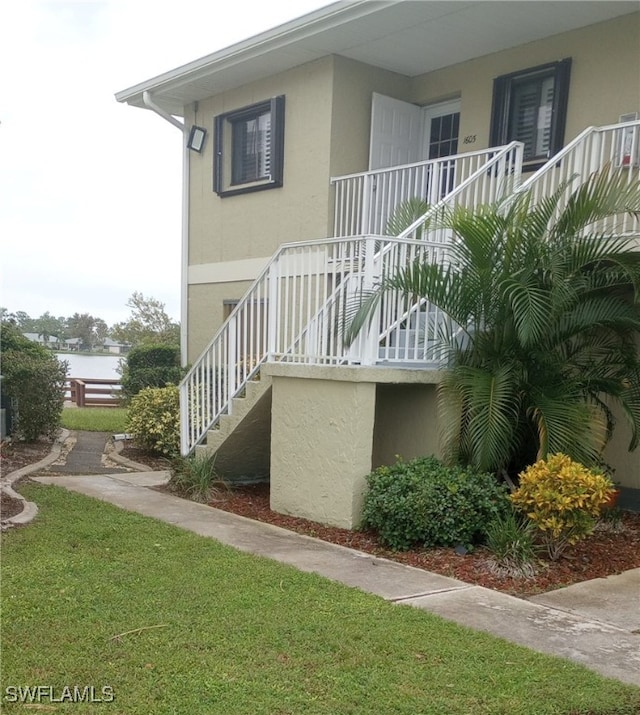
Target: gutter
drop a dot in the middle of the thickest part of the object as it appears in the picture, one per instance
(148, 102)
(184, 295)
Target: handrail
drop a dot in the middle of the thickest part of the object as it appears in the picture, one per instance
(570, 148)
(450, 157)
(365, 201)
(616, 145)
(292, 310)
(502, 153)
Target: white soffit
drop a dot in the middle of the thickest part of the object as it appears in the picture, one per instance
(406, 36)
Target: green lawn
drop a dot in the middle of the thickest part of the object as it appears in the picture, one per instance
(95, 419)
(239, 634)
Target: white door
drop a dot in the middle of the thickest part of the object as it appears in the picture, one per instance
(396, 132)
(404, 133)
(441, 130)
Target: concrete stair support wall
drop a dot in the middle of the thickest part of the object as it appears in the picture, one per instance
(331, 425)
(242, 440)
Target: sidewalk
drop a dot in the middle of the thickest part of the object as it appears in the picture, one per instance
(596, 623)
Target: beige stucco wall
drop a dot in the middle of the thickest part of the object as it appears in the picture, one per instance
(605, 78)
(353, 86)
(406, 423)
(330, 426)
(321, 446)
(626, 465)
(205, 312)
(255, 224)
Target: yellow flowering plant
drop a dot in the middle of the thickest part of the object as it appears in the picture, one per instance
(563, 499)
(153, 419)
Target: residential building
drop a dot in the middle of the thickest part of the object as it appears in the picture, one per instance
(47, 341)
(321, 128)
(115, 347)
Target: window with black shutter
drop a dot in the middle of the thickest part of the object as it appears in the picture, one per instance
(531, 106)
(249, 148)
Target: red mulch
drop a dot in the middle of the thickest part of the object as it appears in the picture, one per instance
(9, 506)
(602, 554)
(15, 455)
(143, 456)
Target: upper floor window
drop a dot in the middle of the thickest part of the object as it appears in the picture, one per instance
(530, 106)
(249, 148)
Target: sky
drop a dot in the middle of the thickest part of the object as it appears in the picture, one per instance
(90, 189)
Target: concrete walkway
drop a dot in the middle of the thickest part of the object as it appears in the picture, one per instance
(596, 623)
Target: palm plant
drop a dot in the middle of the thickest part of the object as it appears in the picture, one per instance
(547, 320)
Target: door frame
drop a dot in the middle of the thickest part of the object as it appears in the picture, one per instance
(431, 111)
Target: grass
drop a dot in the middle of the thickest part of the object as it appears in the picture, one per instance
(221, 631)
(95, 419)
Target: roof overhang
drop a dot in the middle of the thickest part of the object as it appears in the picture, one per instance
(410, 37)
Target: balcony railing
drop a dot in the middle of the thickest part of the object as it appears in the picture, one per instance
(296, 312)
(365, 202)
(616, 146)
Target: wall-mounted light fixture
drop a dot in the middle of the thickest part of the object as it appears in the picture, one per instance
(197, 135)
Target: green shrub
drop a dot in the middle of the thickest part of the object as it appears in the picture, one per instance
(510, 538)
(154, 419)
(151, 366)
(33, 379)
(424, 502)
(564, 500)
(12, 339)
(195, 477)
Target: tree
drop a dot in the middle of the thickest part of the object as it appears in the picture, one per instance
(19, 318)
(47, 325)
(82, 325)
(548, 319)
(149, 323)
(101, 330)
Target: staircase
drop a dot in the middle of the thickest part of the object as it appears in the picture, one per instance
(241, 437)
(295, 310)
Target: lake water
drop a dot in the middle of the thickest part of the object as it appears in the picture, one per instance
(91, 366)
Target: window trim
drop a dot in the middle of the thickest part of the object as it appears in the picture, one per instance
(223, 156)
(501, 106)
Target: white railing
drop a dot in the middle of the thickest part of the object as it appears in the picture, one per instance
(365, 202)
(409, 334)
(297, 308)
(616, 145)
(494, 180)
(414, 331)
(266, 324)
(295, 312)
(225, 366)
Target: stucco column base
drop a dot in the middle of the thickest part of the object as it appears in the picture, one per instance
(321, 447)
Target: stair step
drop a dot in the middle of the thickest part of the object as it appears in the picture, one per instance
(254, 388)
(240, 408)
